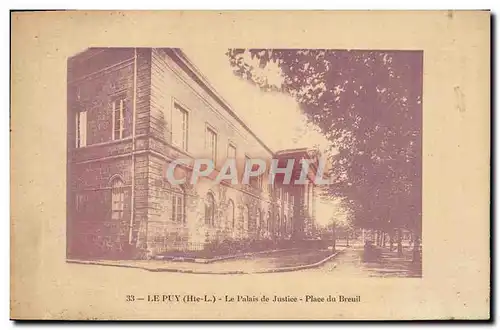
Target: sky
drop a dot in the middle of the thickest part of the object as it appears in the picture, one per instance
(285, 125)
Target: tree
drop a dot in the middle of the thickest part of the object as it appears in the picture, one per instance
(338, 219)
(368, 104)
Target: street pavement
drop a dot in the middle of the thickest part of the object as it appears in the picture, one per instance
(351, 264)
(348, 263)
(283, 260)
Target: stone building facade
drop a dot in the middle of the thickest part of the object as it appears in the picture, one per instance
(132, 111)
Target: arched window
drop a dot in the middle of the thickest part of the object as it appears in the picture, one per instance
(269, 222)
(278, 224)
(258, 221)
(117, 199)
(178, 205)
(230, 214)
(210, 209)
(246, 217)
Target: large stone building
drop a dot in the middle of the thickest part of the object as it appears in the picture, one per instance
(131, 111)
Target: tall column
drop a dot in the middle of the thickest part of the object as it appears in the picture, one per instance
(306, 197)
(313, 208)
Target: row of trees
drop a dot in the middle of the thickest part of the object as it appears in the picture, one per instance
(369, 106)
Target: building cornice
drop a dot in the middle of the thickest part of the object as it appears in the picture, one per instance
(181, 59)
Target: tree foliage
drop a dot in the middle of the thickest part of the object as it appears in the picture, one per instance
(369, 105)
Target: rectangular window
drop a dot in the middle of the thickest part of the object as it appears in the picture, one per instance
(118, 110)
(211, 144)
(231, 151)
(177, 208)
(259, 181)
(180, 127)
(81, 129)
(255, 181)
(252, 180)
(80, 202)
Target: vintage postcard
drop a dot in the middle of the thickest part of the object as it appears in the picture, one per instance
(250, 165)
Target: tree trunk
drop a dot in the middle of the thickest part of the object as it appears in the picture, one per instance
(416, 249)
(334, 238)
(400, 243)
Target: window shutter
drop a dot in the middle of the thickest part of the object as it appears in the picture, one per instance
(77, 129)
(179, 208)
(174, 206)
(83, 128)
(121, 118)
(113, 120)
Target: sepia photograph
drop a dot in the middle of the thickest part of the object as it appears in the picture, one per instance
(296, 160)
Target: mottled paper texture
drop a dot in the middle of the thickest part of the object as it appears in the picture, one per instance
(104, 101)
